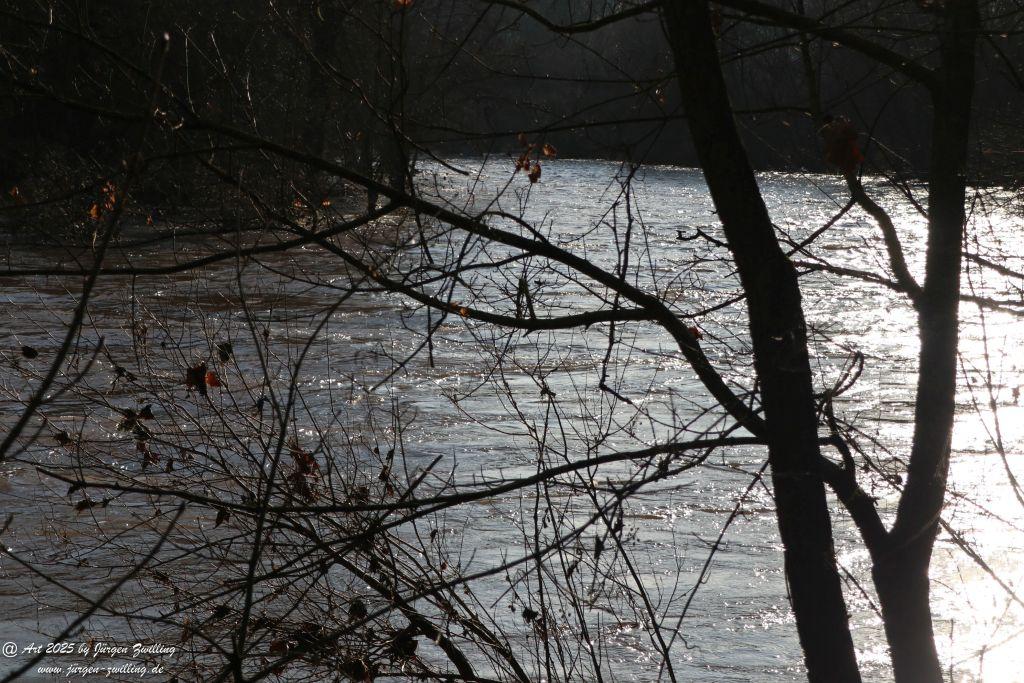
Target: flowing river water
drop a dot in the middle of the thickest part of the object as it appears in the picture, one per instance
(738, 626)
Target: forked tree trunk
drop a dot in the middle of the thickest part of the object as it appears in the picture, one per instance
(901, 570)
(779, 337)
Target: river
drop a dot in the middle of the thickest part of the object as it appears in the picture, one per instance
(477, 422)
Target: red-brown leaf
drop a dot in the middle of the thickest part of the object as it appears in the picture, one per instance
(841, 148)
(195, 378)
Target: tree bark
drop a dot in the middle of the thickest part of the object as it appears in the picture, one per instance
(779, 337)
(901, 571)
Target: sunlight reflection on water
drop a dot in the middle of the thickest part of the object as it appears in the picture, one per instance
(740, 626)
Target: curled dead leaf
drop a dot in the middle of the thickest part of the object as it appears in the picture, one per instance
(88, 503)
(403, 645)
(357, 610)
(840, 142)
(304, 462)
(224, 351)
(195, 378)
(358, 670)
(129, 421)
(523, 161)
(109, 195)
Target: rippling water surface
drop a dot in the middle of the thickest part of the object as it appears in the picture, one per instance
(738, 627)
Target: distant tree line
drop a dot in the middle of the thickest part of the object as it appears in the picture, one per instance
(341, 78)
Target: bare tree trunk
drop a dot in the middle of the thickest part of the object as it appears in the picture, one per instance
(901, 571)
(778, 332)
